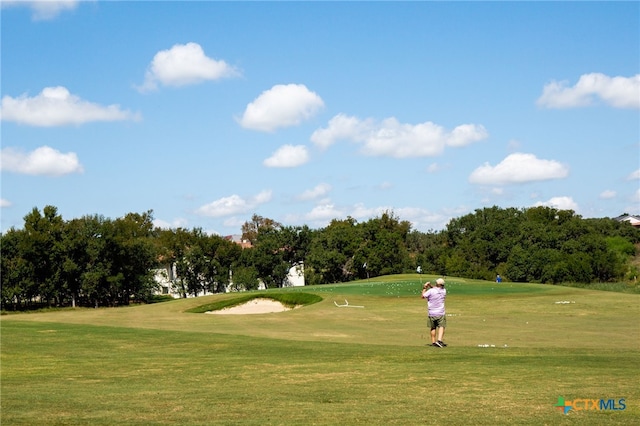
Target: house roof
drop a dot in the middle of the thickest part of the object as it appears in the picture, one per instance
(633, 219)
(238, 240)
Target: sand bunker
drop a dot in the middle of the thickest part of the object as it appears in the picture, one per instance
(254, 306)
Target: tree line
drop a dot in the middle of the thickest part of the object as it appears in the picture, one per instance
(97, 261)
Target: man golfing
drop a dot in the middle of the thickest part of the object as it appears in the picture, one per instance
(437, 320)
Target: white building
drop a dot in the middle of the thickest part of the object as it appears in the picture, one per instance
(168, 281)
(295, 277)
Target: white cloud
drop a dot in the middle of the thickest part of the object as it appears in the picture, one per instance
(182, 65)
(261, 198)
(618, 92)
(361, 212)
(560, 203)
(234, 222)
(420, 218)
(233, 204)
(43, 10)
(635, 175)
(55, 106)
(288, 156)
(514, 145)
(636, 197)
(42, 161)
(281, 106)
(395, 139)
(466, 134)
(607, 194)
(319, 191)
(390, 138)
(423, 219)
(5, 203)
(343, 127)
(174, 224)
(323, 213)
(518, 168)
(434, 168)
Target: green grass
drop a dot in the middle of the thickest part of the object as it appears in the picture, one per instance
(290, 300)
(321, 364)
(620, 287)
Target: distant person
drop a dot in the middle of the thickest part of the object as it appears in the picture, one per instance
(436, 319)
(498, 279)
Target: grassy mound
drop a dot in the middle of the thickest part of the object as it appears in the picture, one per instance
(290, 300)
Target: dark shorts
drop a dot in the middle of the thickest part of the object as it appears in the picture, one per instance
(435, 322)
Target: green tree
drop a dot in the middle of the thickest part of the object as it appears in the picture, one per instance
(134, 257)
(78, 233)
(384, 247)
(172, 246)
(245, 278)
(269, 257)
(41, 246)
(332, 251)
(482, 241)
(17, 274)
(517, 265)
(98, 282)
(224, 254)
(258, 224)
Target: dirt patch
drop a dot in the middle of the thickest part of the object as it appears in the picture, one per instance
(255, 306)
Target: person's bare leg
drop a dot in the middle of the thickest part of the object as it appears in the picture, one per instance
(433, 335)
(440, 334)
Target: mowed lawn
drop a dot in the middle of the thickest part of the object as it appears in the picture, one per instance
(514, 349)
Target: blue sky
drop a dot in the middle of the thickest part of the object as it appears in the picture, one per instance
(304, 112)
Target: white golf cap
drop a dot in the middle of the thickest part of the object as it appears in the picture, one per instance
(440, 281)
